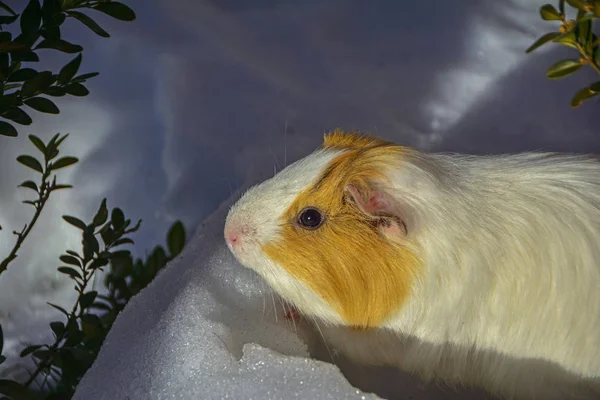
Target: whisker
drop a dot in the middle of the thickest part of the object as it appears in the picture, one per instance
(262, 320)
(324, 341)
(274, 158)
(294, 322)
(274, 307)
(282, 305)
(230, 188)
(285, 143)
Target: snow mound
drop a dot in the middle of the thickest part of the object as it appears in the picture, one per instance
(190, 335)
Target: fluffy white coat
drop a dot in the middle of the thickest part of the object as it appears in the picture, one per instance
(509, 299)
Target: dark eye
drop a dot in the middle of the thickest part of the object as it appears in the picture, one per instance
(310, 218)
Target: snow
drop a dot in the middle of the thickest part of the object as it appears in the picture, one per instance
(203, 315)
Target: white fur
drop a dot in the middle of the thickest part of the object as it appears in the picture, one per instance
(258, 212)
(509, 297)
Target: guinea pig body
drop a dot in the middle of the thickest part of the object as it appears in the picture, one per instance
(475, 270)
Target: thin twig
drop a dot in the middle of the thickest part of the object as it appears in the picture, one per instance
(44, 195)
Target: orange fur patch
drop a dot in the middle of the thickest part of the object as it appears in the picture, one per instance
(360, 274)
(354, 140)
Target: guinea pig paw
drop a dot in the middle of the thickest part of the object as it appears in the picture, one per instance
(292, 314)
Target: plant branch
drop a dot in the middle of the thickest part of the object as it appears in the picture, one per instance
(44, 194)
(47, 362)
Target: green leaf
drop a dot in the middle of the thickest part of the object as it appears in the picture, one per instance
(57, 141)
(31, 18)
(8, 101)
(68, 71)
(17, 115)
(37, 142)
(28, 56)
(10, 47)
(63, 162)
(579, 4)
(117, 218)
(70, 260)
(91, 319)
(77, 89)
(52, 153)
(90, 23)
(1, 339)
(583, 33)
(135, 228)
(543, 40)
(549, 13)
(74, 221)
(50, 32)
(60, 45)
(7, 129)
(87, 299)
(84, 77)
(55, 91)
(8, 19)
(59, 308)
(43, 355)
(21, 75)
(29, 185)
(69, 271)
(108, 235)
(122, 241)
(5, 37)
(29, 349)
(581, 96)
(10, 86)
(75, 335)
(59, 187)
(595, 87)
(38, 83)
(597, 9)
(30, 162)
(116, 10)
(98, 263)
(14, 390)
(2, 358)
(57, 327)
(101, 215)
(101, 306)
(568, 39)
(90, 243)
(33, 203)
(176, 239)
(563, 68)
(42, 104)
(7, 8)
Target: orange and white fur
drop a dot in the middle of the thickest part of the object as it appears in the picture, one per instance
(473, 270)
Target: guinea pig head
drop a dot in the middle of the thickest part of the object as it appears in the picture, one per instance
(328, 234)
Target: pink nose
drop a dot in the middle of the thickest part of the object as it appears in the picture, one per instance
(232, 238)
(233, 235)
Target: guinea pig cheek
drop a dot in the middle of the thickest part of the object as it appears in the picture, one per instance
(347, 263)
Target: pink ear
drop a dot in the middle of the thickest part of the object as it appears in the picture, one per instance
(375, 205)
(381, 207)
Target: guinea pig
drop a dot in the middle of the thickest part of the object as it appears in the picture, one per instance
(481, 271)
